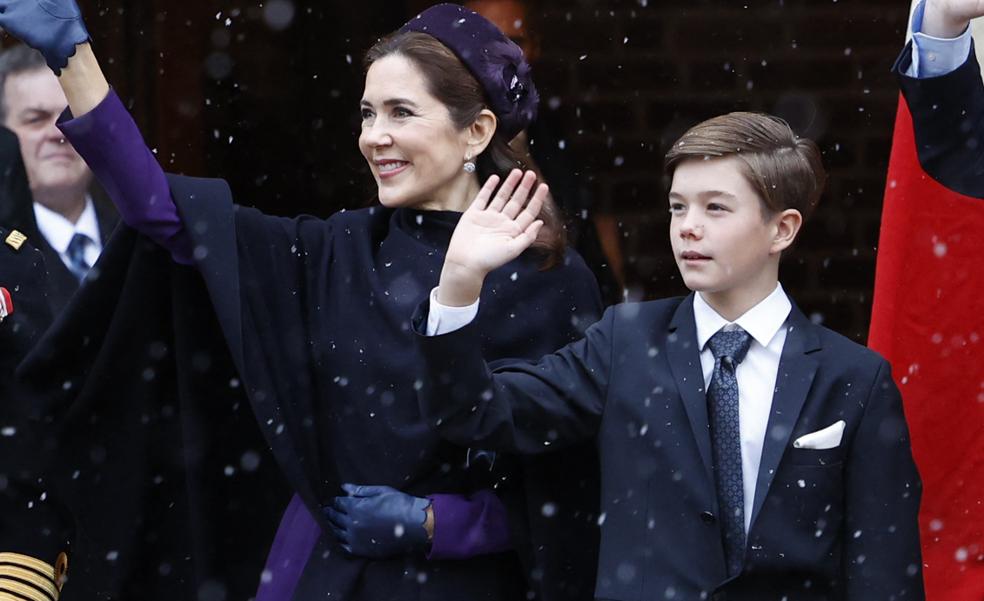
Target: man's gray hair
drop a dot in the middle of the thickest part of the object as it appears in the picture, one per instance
(14, 60)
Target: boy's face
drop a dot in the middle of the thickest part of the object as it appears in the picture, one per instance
(722, 243)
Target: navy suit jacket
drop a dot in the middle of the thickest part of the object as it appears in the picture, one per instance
(948, 119)
(829, 524)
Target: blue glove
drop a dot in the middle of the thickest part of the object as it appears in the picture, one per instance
(378, 521)
(53, 27)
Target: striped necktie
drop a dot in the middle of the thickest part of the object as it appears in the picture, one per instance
(76, 255)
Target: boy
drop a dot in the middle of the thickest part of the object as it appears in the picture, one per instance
(747, 453)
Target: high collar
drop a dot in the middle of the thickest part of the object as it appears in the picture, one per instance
(433, 228)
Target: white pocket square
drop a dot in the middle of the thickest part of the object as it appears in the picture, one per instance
(828, 438)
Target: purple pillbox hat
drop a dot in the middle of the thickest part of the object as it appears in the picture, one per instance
(496, 61)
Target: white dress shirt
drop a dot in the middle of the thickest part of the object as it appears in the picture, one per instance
(756, 374)
(933, 57)
(59, 231)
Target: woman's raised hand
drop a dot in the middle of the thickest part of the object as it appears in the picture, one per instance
(493, 231)
(53, 27)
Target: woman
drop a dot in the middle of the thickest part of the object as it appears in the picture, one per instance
(316, 314)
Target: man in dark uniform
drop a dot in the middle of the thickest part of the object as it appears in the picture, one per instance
(35, 530)
(66, 220)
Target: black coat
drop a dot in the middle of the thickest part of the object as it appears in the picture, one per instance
(317, 314)
(155, 448)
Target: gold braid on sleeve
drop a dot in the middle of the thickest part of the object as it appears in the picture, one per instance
(25, 578)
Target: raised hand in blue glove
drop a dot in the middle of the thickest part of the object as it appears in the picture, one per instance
(53, 27)
(378, 521)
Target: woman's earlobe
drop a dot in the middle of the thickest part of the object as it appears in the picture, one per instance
(482, 131)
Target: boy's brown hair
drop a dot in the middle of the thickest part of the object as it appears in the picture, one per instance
(783, 168)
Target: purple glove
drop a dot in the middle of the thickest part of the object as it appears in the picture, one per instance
(53, 27)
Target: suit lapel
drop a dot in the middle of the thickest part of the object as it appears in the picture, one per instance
(796, 371)
(684, 358)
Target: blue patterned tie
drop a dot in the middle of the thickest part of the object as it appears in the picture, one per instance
(76, 255)
(729, 348)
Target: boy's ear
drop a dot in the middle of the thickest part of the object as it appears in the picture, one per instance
(787, 225)
(480, 132)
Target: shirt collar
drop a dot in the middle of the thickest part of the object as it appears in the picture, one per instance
(762, 321)
(58, 231)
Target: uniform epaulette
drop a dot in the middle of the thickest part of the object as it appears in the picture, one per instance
(15, 240)
(25, 578)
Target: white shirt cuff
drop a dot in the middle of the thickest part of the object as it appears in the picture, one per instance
(442, 319)
(933, 57)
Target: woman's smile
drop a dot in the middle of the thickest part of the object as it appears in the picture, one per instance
(388, 168)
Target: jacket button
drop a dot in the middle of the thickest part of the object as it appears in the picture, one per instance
(707, 517)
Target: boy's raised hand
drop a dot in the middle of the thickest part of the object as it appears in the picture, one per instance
(53, 27)
(493, 231)
(949, 18)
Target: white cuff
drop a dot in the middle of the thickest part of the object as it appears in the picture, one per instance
(933, 57)
(442, 319)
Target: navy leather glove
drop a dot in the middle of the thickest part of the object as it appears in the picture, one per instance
(54, 27)
(378, 521)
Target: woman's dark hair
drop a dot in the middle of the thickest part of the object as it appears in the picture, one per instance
(453, 85)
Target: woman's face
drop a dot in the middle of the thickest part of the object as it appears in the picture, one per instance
(413, 149)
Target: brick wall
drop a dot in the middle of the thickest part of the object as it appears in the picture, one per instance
(628, 77)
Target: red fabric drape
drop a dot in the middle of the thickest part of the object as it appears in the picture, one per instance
(928, 321)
